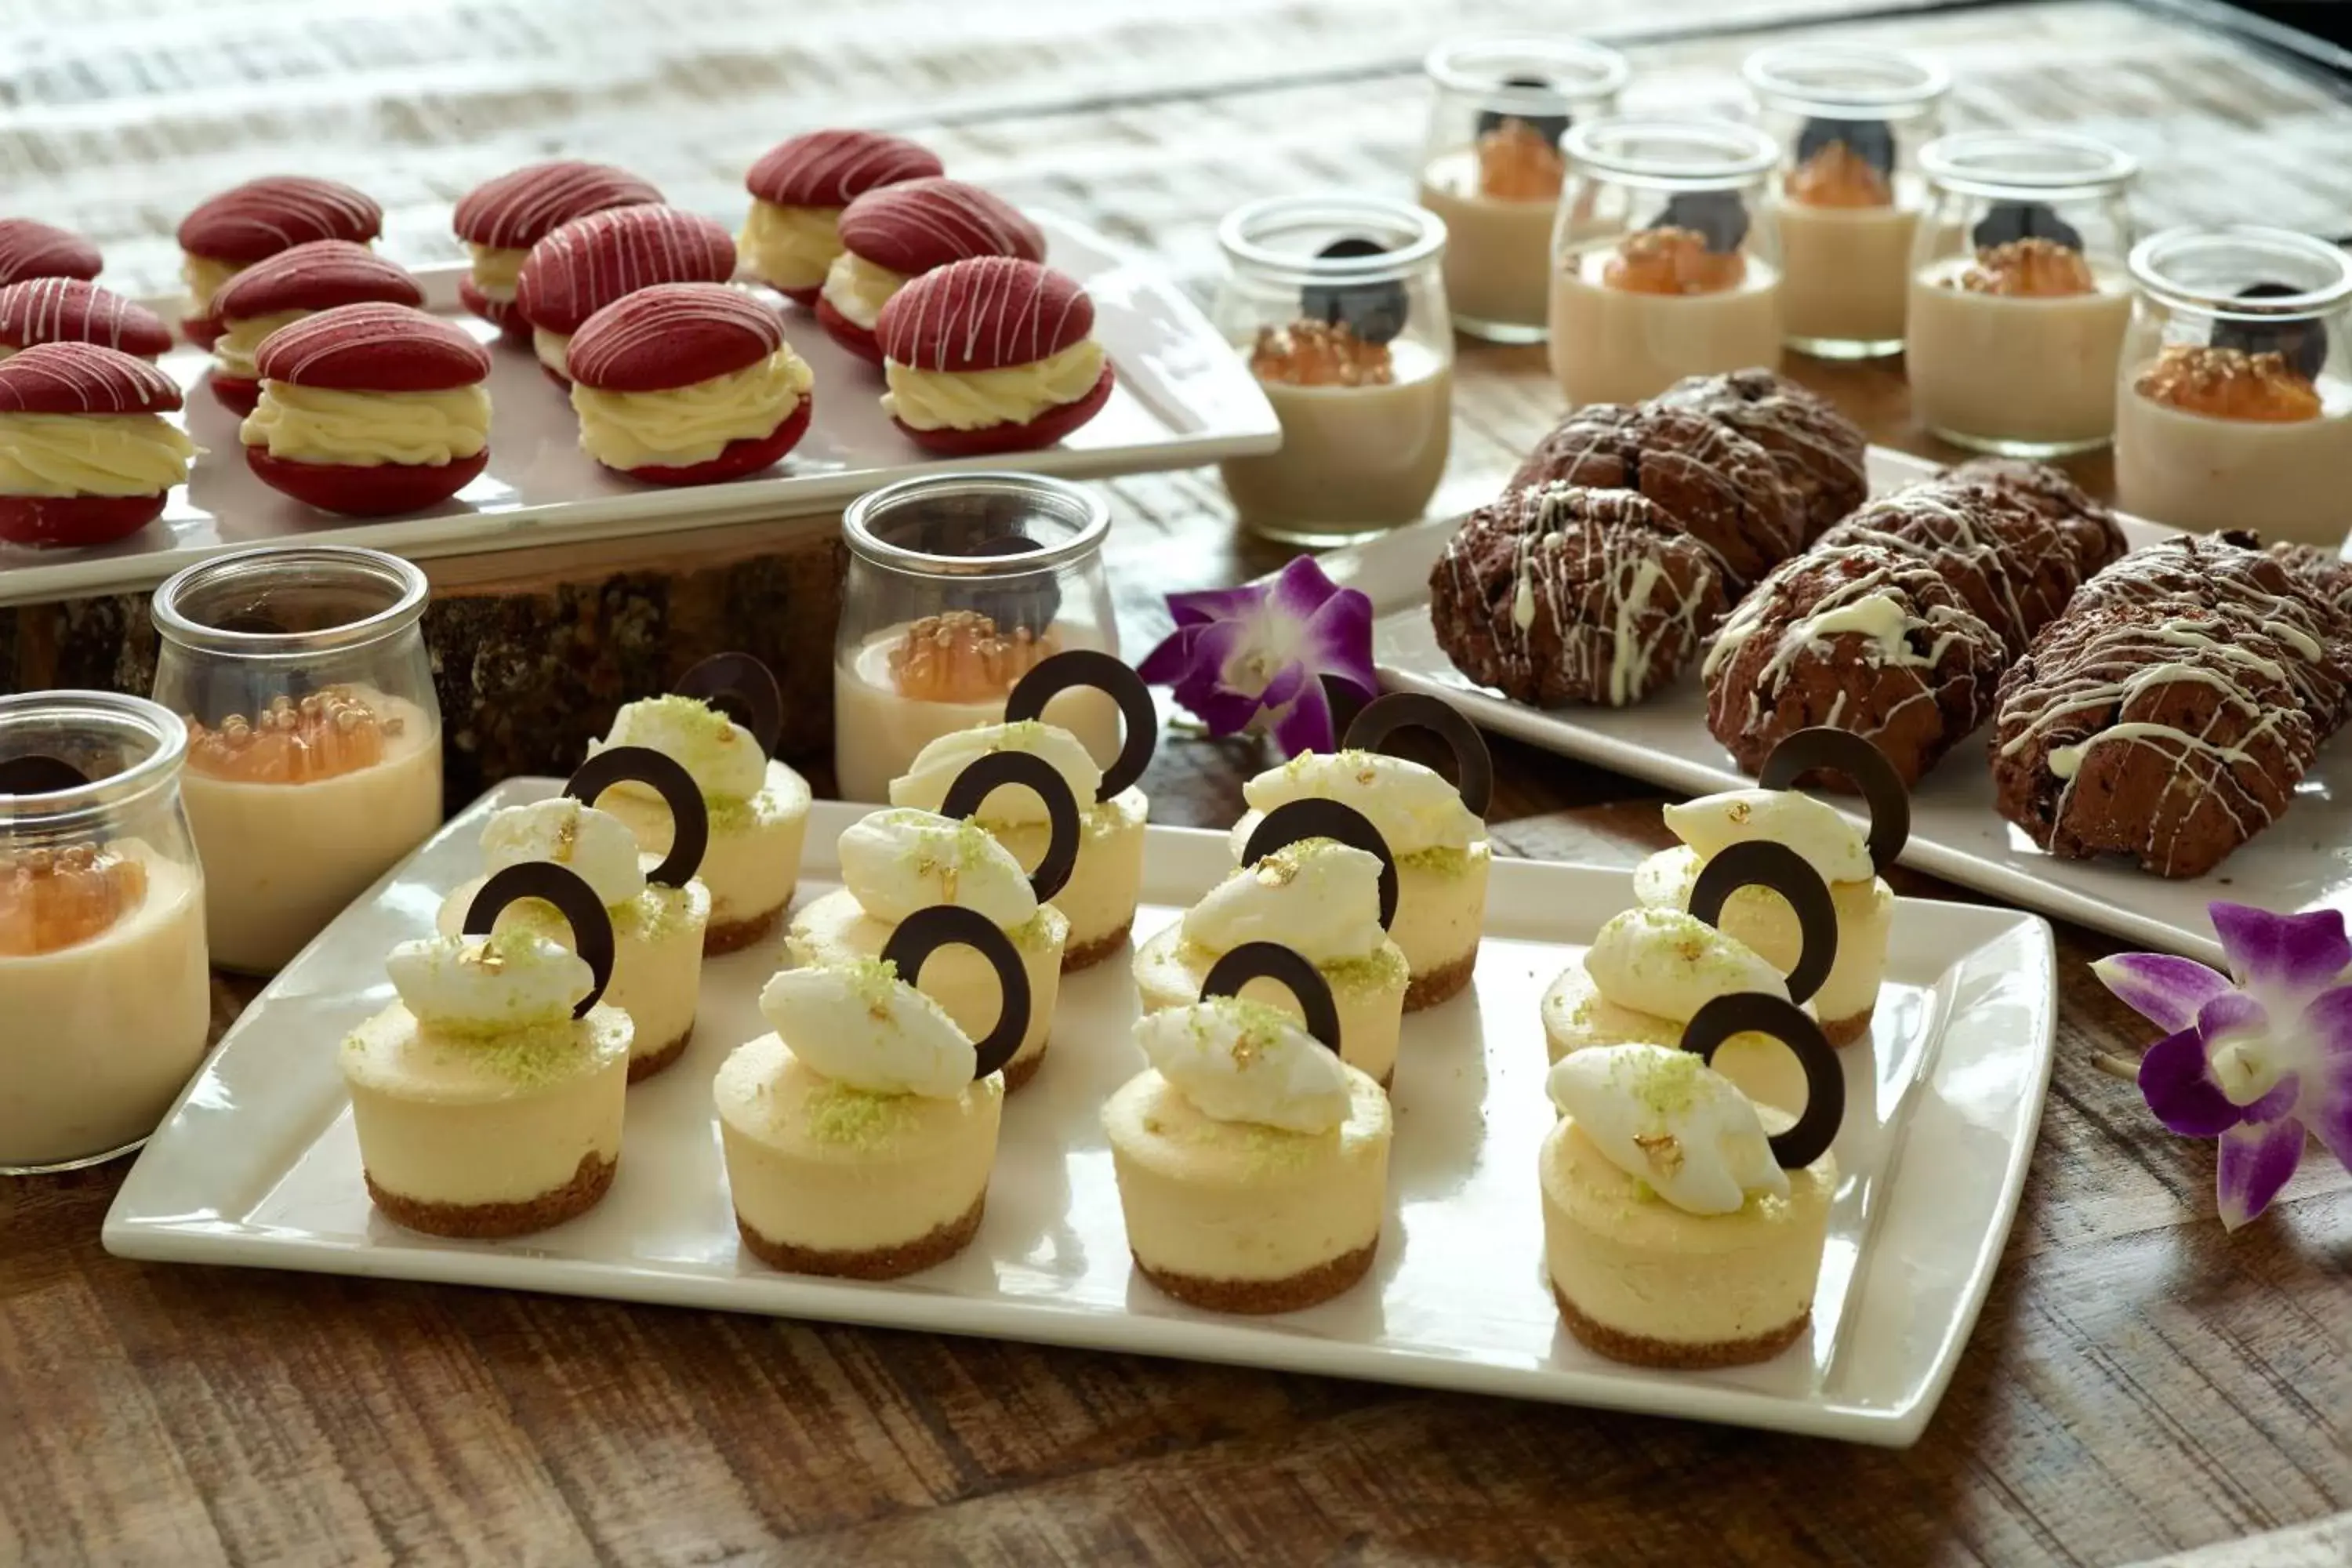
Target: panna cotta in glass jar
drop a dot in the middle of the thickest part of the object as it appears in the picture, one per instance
(2019, 292)
(314, 736)
(1850, 122)
(1338, 303)
(1492, 168)
(105, 998)
(1666, 262)
(2234, 404)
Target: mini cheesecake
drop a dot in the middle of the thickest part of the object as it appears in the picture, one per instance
(31, 248)
(68, 310)
(296, 283)
(369, 410)
(586, 264)
(500, 219)
(254, 222)
(687, 384)
(903, 230)
(86, 454)
(799, 188)
(991, 355)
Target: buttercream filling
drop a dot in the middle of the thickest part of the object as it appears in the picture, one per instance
(91, 454)
(792, 248)
(368, 429)
(551, 348)
(976, 399)
(241, 340)
(689, 425)
(496, 270)
(858, 289)
(205, 275)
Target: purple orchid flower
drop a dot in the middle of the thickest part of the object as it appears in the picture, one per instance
(2255, 1058)
(1253, 659)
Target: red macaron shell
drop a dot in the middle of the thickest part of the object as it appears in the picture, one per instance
(70, 521)
(202, 330)
(737, 460)
(261, 217)
(917, 224)
(517, 210)
(316, 276)
(984, 314)
(83, 378)
(69, 310)
(373, 348)
(1042, 431)
(592, 261)
(848, 333)
(834, 168)
(31, 248)
(238, 394)
(499, 314)
(383, 490)
(673, 335)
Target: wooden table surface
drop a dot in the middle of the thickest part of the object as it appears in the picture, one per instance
(2139, 1384)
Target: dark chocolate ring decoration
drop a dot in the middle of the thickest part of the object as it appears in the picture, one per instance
(1313, 817)
(1843, 751)
(1760, 863)
(927, 930)
(1272, 961)
(1757, 1012)
(689, 817)
(1474, 766)
(1110, 676)
(591, 928)
(984, 775)
(741, 688)
(39, 773)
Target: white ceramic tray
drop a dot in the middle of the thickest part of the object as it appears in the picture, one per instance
(1183, 398)
(2303, 861)
(257, 1165)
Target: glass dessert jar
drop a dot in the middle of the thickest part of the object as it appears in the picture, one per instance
(314, 737)
(1666, 262)
(105, 1000)
(1339, 304)
(1492, 168)
(2019, 296)
(1847, 196)
(957, 584)
(2233, 408)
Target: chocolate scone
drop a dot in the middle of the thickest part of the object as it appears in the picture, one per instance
(2016, 483)
(2323, 572)
(1863, 638)
(2014, 566)
(1822, 455)
(1564, 593)
(1722, 488)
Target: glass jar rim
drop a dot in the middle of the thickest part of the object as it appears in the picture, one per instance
(1602, 70)
(82, 805)
(1744, 152)
(332, 563)
(1946, 160)
(2149, 257)
(1764, 72)
(1091, 515)
(1336, 209)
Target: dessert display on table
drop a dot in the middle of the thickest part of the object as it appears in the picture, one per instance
(499, 220)
(585, 265)
(31, 248)
(70, 310)
(799, 189)
(298, 281)
(993, 355)
(901, 230)
(87, 455)
(253, 222)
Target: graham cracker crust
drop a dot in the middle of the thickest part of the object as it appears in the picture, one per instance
(1440, 985)
(1846, 1031)
(878, 1263)
(1017, 1073)
(1309, 1288)
(486, 1221)
(734, 935)
(1087, 954)
(645, 1067)
(1640, 1350)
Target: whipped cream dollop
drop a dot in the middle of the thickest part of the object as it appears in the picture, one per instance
(859, 290)
(92, 454)
(976, 399)
(596, 844)
(1831, 845)
(901, 860)
(489, 984)
(1319, 896)
(1243, 1061)
(934, 771)
(724, 758)
(860, 1025)
(792, 248)
(692, 424)
(1664, 1117)
(368, 429)
(1671, 963)
(1413, 806)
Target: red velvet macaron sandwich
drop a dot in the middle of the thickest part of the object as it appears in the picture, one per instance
(255, 221)
(991, 355)
(290, 285)
(687, 384)
(590, 262)
(903, 231)
(799, 188)
(499, 220)
(86, 454)
(31, 248)
(370, 410)
(69, 310)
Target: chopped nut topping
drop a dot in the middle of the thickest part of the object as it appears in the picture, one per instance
(327, 733)
(2030, 269)
(1518, 163)
(1836, 177)
(53, 899)
(2229, 384)
(1320, 353)
(1672, 261)
(961, 657)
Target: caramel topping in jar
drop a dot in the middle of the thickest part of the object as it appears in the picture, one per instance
(51, 900)
(1836, 177)
(2229, 384)
(1320, 353)
(1672, 261)
(2033, 269)
(961, 657)
(327, 733)
(1518, 163)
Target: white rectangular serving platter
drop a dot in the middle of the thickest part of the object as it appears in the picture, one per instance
(257, 1165)
(1184, 397)
(2303, 861)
